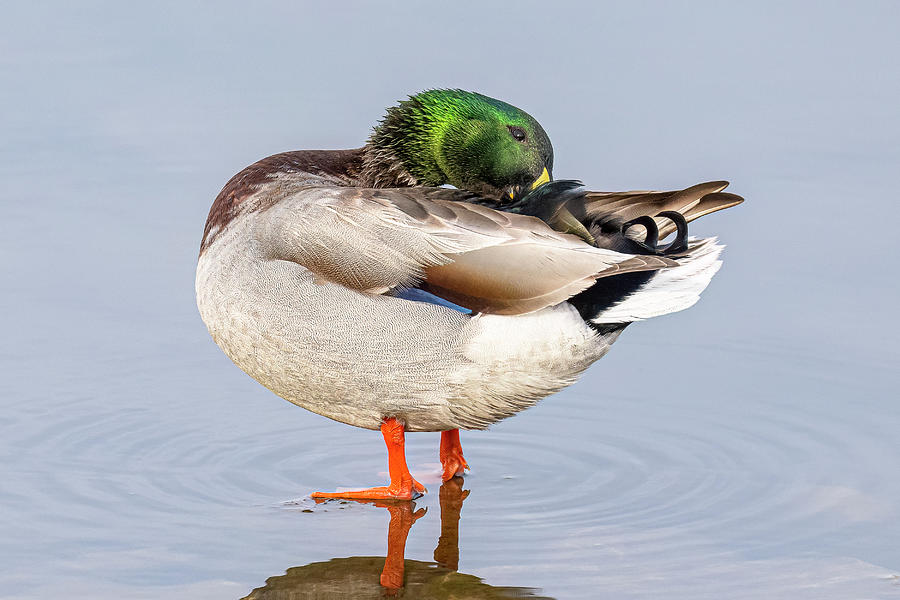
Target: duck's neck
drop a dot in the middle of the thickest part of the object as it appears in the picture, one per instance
(382, 168)
(404, 149)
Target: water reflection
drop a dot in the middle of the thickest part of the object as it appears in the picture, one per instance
(362, 577)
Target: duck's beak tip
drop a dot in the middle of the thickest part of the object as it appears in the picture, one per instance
(544, 178)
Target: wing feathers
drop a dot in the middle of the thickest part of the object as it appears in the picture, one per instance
(479, 258)
(524, 277)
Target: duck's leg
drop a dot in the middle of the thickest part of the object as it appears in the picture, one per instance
(402, 486)
(451, 455)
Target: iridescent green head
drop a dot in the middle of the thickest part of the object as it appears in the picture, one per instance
(466, 140)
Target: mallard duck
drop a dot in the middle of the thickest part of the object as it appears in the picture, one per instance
(352, 284)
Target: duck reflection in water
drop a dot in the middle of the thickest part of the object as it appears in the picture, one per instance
(362, 577)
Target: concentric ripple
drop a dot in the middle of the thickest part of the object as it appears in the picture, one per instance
(754, 467)
(680, 483)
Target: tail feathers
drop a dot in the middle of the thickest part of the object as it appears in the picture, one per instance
(668, 290)
(693, 202)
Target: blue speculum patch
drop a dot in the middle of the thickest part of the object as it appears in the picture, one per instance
(417, 295)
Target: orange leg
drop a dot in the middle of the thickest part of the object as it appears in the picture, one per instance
(402, 486)
(451, 455)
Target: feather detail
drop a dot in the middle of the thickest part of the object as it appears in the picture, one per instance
(482, 259)
(668, 291)
(692, 202)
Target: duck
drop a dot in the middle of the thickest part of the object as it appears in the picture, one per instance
(437, 278)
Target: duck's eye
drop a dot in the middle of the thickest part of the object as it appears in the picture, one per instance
(518, 133)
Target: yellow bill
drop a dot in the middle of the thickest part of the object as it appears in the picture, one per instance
(544, 178)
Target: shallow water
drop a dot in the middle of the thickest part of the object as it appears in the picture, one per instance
(746, 448)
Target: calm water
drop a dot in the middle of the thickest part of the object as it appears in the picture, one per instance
(747, 448)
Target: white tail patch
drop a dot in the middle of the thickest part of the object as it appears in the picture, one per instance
(670, 290)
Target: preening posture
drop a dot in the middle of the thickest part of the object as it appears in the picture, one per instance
(349, 283)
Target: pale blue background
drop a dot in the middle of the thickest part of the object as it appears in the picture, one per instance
(747, 448)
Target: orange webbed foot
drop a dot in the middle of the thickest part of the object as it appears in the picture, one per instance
(454, 466)
(402, 487)
(452, 459)
(385, 492)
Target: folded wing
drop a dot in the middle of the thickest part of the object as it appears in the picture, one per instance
(377, 240)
